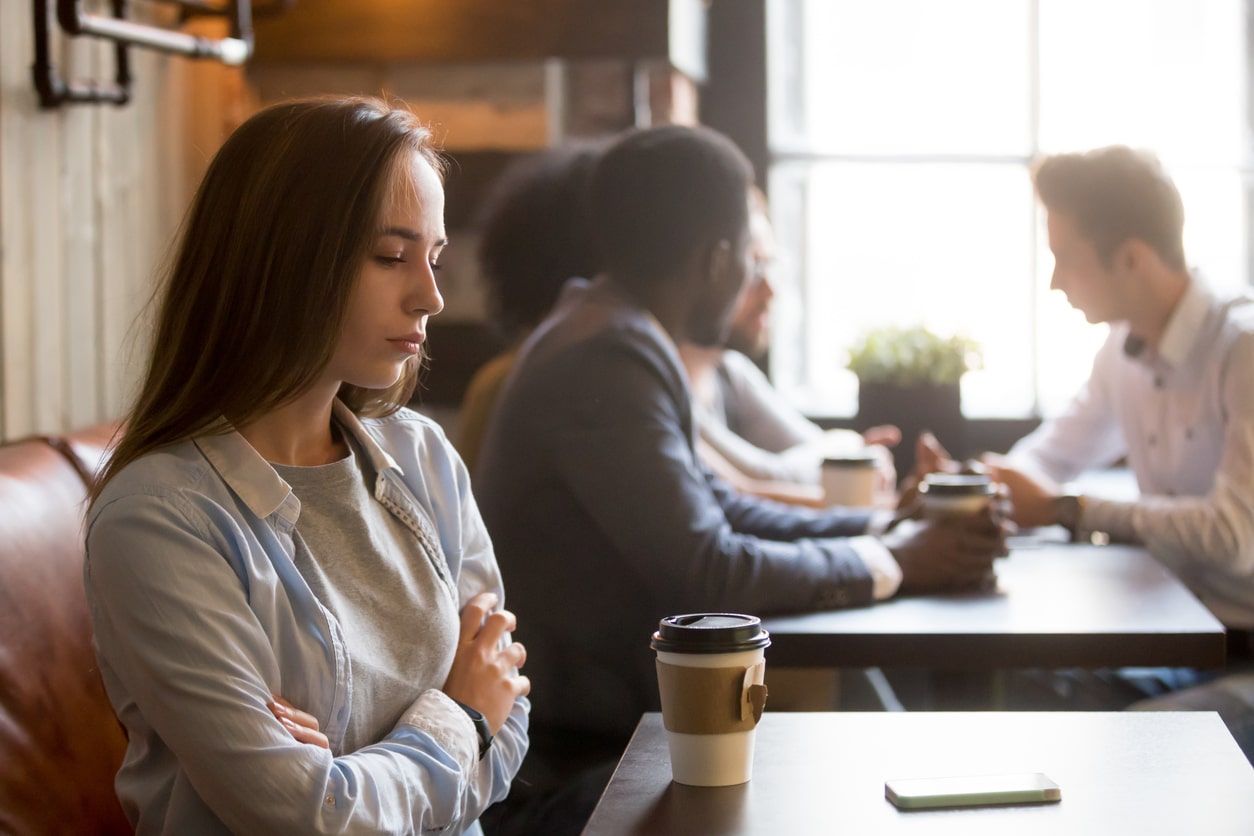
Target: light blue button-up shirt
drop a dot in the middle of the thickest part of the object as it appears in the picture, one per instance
(200, 615)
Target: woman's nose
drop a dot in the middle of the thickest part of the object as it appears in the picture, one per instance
(425, 297)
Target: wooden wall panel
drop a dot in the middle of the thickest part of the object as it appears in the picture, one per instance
(76, 277)
(464, 30)
(90, 196)
(30, 219)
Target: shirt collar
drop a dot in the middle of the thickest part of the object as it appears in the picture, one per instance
(257, 484)
(1184, 327)
(249, 475)
(378, 458)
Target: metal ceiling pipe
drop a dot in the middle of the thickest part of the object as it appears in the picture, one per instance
(234, 50)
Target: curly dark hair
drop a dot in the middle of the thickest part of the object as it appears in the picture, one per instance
(536, 234)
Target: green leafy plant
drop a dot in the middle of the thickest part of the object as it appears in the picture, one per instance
(912, 355)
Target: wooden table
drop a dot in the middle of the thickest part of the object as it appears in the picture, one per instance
(1055, 606)
(824, 773)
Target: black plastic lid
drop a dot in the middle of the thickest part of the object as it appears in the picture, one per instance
(710, 632)
(850, 460)
(956, 484)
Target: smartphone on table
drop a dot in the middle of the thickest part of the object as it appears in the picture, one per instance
(971, 790)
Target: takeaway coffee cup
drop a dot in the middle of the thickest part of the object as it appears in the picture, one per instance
(710, 671)
(849, 479)
(947, 494)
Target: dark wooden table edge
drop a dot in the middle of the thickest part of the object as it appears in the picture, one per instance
(977, 651)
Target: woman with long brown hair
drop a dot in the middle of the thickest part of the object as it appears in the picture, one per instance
(296, 607)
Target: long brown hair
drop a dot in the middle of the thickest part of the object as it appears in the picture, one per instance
(250, 311)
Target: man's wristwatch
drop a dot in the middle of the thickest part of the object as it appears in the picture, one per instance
(1068, 511)
(481, 727)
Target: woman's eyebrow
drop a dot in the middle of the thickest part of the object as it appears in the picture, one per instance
(409, 235)
(401, 232)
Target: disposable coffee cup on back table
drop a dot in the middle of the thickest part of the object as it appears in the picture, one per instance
(947, 494)
(711, 669)
(849, 479)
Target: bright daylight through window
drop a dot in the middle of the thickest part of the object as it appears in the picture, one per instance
(901, 136)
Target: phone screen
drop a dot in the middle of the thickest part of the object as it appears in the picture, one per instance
(971, 790)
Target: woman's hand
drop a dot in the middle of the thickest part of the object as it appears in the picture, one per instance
(303, 726)
(484, 674)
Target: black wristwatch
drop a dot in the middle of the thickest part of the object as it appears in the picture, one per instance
(481, 726)
(1069, 510)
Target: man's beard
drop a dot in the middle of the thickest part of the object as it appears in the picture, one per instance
(750, 342)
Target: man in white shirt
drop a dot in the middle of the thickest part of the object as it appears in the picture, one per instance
(1171, 391)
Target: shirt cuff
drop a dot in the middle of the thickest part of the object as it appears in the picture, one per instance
(885, 573)
(436, 713)
(1115, 518)
(879, 522)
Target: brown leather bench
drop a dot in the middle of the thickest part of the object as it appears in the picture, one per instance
(60, 743)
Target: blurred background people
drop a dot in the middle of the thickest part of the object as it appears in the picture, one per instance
(746, 432)
(534, 235)
(604, 517)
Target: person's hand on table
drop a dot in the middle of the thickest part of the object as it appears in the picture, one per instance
(886, 435)
(931, 457)
(1032, 494)
(952, 552)
(484, 675)
(878, 440)
(301, 725)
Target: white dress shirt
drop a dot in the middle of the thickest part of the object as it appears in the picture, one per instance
(1183, 415)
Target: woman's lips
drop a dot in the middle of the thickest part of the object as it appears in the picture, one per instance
(410, 343)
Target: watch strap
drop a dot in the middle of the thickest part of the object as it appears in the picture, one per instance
(481, 727)
(1069, 508)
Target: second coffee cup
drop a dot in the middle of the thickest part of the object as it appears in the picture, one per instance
(946, 494)
(849, 479)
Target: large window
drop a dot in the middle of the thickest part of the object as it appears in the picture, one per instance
(901, 135)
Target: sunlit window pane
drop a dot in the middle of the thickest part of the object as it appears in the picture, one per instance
(902, 134)
(938, 244)
(911, 76)
(1162, 74)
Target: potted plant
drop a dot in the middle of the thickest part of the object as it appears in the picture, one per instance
(909, 376)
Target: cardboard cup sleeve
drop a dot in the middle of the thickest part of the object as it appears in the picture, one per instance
(711, 700)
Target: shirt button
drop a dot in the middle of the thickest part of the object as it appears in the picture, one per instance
(1189, 433)
(1152, 440)
(1158, 383)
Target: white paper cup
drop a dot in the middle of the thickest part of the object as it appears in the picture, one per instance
(849, 480)
(708, 696)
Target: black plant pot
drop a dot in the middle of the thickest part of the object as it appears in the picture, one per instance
(914, 408)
